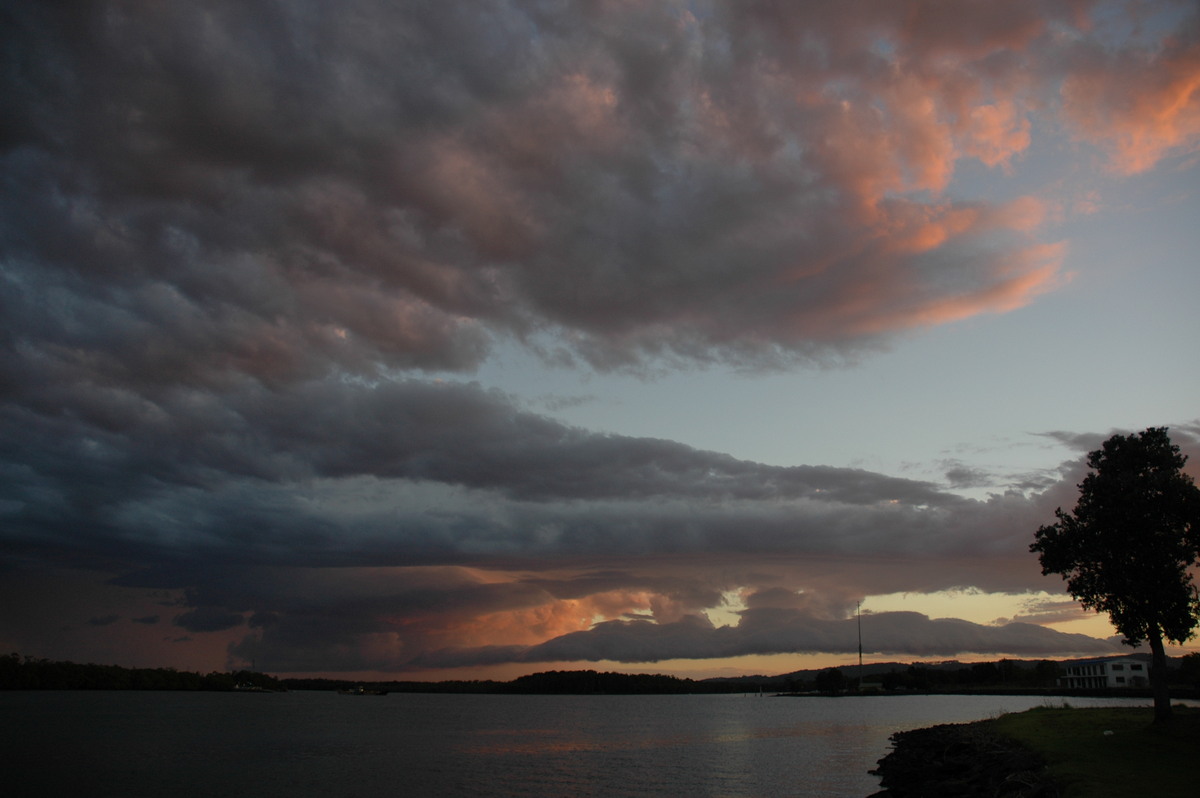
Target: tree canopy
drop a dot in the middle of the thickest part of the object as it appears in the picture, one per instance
(1127, 547)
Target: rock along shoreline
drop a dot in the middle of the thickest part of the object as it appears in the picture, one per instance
(964, 760)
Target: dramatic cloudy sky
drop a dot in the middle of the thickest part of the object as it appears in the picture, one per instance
(471, 339)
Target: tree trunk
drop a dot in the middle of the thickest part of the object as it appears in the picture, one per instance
(1158, 678)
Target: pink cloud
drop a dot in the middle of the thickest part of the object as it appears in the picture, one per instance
(1022, 278)
(1140, 106)
(997, 133)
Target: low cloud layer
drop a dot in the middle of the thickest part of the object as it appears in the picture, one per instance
(904, 634)
(243, 244)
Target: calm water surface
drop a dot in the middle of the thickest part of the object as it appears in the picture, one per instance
(305, 744)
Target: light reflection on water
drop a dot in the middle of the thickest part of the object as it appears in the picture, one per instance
(310, 744)
(534, 741)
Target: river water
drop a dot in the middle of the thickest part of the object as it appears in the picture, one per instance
(304, 744)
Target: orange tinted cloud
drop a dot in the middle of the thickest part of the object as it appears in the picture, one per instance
(1027, 275)
(1017, 279)
(997, 132)
(1140, 107)
(897, 289)
(518, 627)
(557, 617)
(921, 228)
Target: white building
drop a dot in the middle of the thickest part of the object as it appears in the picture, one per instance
(1123, 672)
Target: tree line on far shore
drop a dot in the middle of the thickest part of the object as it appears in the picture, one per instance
(29, 673)
(17, 673)
(1005, 674)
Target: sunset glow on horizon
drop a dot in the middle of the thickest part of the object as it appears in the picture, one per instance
(450, 342)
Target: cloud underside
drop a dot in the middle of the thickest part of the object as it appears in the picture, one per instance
(284, 193)
(416, 526)
(241, 246)
(777, 632)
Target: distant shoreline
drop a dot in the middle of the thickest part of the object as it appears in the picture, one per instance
(1011, 678)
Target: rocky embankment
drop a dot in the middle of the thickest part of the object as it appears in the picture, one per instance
(960, 761)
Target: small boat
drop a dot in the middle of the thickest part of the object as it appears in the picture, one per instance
(362, 690)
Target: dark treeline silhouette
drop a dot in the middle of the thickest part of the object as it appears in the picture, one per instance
(950, 677)
(946, 677)
(454, 686)
(1040, 674)
(43, 674)
(547, 683)
(1004, 676)
(577, 682)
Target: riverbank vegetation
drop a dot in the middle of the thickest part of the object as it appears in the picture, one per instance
(1110, 752)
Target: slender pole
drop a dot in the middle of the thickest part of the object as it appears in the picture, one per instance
(859, 613)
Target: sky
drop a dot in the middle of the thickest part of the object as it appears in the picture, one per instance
(441, 340)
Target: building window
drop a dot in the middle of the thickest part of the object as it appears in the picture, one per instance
(1136, 666)
(1118, 667)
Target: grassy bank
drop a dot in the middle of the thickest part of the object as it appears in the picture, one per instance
(1118, 752)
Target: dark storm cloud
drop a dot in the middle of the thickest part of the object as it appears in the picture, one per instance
(251, 505)
(254, 512)
(103, 620)
(411, 469)
(463, 435)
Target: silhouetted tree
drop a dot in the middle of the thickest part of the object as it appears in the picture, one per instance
(591, 682)
(985, 673)
(1189, 670)
(831, 680)
(1045, 674)
(1127, 546)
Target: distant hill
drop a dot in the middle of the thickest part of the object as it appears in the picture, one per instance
(877, 668)
(948, 676)
(868, 669)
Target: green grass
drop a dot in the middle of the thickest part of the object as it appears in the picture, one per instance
(1137, 758)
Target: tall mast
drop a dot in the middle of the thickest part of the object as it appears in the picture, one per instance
(858, 612)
